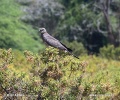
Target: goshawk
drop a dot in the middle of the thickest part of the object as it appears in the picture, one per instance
(49, 40)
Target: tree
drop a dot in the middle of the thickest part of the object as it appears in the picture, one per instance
(106, 7)
(42, 13)
(94, 23)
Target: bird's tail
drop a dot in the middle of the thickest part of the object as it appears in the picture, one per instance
(70, 51)
(74, 55)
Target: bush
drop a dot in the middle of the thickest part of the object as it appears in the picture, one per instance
(110, 52)
(77, 47)
(53, 75)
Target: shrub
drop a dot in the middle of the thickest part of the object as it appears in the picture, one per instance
(77, 47)
(53, 75)
(110, 52)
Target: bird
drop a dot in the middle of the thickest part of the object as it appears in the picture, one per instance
(53, 42)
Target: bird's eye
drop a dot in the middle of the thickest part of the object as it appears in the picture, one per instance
(40, 29)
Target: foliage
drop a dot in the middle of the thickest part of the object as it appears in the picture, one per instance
(14, 33)
(84, 20)
(110, 52)
(41, 13)
(80, 23)
(53, 75)
(78, 48)
(75, 20)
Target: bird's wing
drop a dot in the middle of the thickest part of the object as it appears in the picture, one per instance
(54, 42)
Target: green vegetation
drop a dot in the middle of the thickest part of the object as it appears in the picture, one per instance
(29, 73)
(77, 20)
(88, 22)
(13, 32)
(110, 52)
(52, 75)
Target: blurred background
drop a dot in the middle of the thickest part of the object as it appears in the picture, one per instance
(83, 25)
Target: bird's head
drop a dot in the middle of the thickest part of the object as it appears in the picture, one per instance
(42, 30)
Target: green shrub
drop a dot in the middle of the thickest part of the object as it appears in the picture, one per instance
(77, 47)
(110, 52)
(53, 75)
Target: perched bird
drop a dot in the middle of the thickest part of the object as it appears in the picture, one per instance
(49, 40)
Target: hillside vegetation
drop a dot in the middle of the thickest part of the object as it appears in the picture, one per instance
(13, 32)
(28, 71)
(52, 75)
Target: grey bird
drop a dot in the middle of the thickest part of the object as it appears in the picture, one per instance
(51, 41)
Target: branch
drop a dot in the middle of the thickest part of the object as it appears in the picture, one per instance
(98, 7)
(4, 89)
(99, 30)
